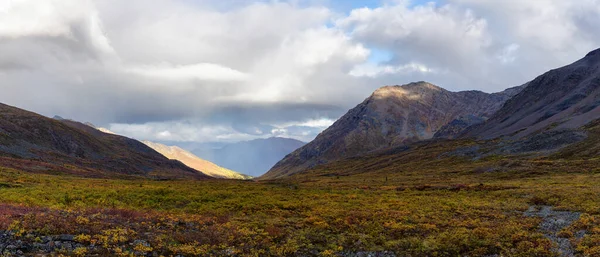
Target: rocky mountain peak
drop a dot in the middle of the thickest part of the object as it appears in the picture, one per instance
(409, 90)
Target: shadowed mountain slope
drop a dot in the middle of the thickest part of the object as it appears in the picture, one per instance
(32, 142)
(561, 99)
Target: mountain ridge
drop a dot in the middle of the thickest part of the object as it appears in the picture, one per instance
(391, 116)
(33, 142)
(195, 162)
(564, 98)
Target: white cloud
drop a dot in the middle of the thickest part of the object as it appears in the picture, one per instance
(374, 70)
(33, 18)
(171, 131)
(508, 54)
(423, 39)
(487, 45)
(186, 131)
(200, 71)
(316, 123)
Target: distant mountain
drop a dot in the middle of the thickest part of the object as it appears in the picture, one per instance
(193, 161)
(251, 157)
(32, 142)
(561, 99)
(391, 116)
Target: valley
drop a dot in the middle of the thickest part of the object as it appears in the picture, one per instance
(437, 208)
(294, 128)
(446, 195)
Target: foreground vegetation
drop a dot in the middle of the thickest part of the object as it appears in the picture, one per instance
(443, 207)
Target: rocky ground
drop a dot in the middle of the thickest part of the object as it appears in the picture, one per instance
(553, 222)
(10, 245)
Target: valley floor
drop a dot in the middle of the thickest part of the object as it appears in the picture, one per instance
(459, 211)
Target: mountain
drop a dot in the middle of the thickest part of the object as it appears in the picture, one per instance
(193, 161)
(253, 157)
(187, 158)
(552, 125)
(458, 126)
(391, 116)
(561, 99)
(32, 142)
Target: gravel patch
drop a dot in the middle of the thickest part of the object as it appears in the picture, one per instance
(552, 223)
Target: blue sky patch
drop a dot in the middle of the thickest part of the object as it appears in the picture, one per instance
(380, 56)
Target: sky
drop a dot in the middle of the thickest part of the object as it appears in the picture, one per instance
(235, 70)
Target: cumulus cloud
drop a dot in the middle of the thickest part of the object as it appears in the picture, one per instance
(485, 45)
(227, 70)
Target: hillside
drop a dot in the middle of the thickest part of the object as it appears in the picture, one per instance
(193, 161)
(391, 116)
(562, 99)
(32, 142)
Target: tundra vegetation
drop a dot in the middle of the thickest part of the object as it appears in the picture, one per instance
(413, 203)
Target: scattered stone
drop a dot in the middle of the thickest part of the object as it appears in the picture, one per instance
(552, 223)
(580, 234)
(67, 246)
(66, 238)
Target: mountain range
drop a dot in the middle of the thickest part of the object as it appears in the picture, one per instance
(252, 157)
(552, 112)
(393, 116)
(178, 154)
(541, 117)
(193, 161)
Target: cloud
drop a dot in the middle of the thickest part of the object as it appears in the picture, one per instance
(228, 70)
(197, 131)
(200, 71)
(472, 44)
(375, 70)
(172, 131)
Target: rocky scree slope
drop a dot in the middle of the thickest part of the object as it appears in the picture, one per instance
(391, 116)
(32, 142)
